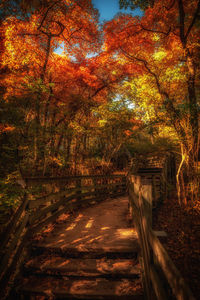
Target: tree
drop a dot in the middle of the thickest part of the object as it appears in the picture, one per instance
(31, 63)
(133, 4)
(162, 49)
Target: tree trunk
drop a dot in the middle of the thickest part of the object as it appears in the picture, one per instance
(193, 109)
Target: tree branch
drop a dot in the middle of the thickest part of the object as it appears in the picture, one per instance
(46, 13)
(62, 28)
(182, 22)
(133, 58)
(47, 57)
(193, 20)
(170, 7)
(157, 31)
(168, 103)
(71, 35)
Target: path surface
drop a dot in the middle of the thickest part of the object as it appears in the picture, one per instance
(103, 227)
(90, 255)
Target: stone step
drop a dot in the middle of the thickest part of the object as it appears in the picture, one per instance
(65, 288)
(104, 267)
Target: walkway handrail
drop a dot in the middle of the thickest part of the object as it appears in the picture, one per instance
(158, 266)
(64, 194)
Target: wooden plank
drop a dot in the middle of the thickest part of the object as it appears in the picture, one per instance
(11, 269)
(146, 193)
(173, 276)
(78, 186)
(136, 203)
(30, 180)
(13, 244)
(43, 212)
(54, 206)
(42, 200)
(68, 207)
(135, 209)
(52, 218)
(157, 284)
(160, 233)
(145, 247)
(13, 223)
(133, 196)
(95, 184)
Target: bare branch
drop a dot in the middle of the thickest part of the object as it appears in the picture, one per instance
(47, 57)
(170, 7)
(71, 35)
(145, 63)
(157, 31)
(46, 13)
(62, 28)
(182, 22)
(99, 89)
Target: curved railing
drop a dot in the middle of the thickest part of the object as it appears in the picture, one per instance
(55, 196)
(161, 279)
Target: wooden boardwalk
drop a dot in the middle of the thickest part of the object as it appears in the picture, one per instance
(90, 254)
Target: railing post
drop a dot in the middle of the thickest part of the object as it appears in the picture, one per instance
(124, 184)
(145, 245)
(78, 186)
(146, 193)
(94, 184)
(141, 193)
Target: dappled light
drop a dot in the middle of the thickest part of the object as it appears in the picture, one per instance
(81, 287)
(99, 137)
(89, 223)
(63, 218)
(105, 228)
(107, 266)
(72, 226)
(80, 239)
(124, 288)
(124, 233)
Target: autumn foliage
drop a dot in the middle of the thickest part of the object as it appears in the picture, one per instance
(162, 49)
(64, 109)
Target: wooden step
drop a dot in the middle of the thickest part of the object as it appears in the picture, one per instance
(66, 288)
(104, 267)
(93, 255)
(109, 252)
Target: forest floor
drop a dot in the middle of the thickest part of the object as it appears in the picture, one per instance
(183, 239)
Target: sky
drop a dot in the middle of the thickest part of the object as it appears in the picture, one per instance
(109, 8)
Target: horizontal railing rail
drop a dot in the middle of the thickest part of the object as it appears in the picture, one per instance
(64, 178)
(159, 270)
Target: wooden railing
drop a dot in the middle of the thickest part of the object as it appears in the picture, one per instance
(159, 272)
(55, 196)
